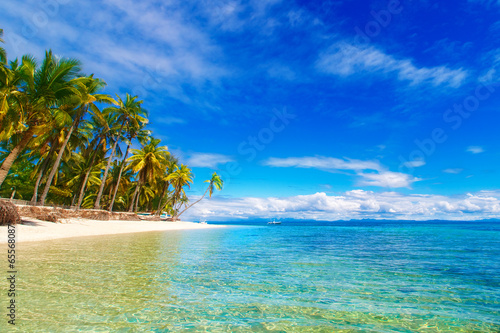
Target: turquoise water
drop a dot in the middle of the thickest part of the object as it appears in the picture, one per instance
(296, 277)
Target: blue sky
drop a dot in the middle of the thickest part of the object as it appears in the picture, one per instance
(309, 109)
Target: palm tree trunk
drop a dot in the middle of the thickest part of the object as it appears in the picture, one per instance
(74, 199)
(176, 216)
(9, 160)
(87, 175)
(119, 178)
(131, 207)
(97, 204)
(55, 167)
(103, 181)
(43, 168)
(137, 198)
(165, 187)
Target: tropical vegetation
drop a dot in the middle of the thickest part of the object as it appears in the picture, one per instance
(64, 141)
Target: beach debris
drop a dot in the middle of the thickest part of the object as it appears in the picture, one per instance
(55, 214)
(8, 213)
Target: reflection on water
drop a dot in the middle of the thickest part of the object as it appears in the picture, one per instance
(383, 278)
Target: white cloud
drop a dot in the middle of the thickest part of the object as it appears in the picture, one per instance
(169, 120)
(207, 160)
(381, 177)
(386, 179)
(325, 163)
(414, 164)
(355, 204)
(475, 149)
(453, 171)
(345, 59)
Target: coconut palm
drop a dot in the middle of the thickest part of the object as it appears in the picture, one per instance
(132, 133)
(41, 89)
(182, 176)
(172, 164)
(11, 100)
(45, 149)
(213, 183)
(85, 100)
(96, 148)
(148, 162)
(128, 112)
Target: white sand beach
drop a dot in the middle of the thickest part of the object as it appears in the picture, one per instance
(36, 230)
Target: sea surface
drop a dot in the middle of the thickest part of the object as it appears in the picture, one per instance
(294, 277)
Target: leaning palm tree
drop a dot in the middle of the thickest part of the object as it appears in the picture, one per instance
(182, 176)
(127, 112)
(96, 149)
(171, 165)
(132, 132)
(85, 100)
(41, 89)
(148, 162)
(44, 148)
(213, 183)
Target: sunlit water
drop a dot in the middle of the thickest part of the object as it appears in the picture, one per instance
(348, 277)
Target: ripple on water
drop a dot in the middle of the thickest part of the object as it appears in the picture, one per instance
(385, 278)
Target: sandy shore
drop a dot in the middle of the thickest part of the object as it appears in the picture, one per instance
(35, 230)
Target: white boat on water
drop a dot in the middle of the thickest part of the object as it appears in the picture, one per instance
(274, 222)
(203, 222)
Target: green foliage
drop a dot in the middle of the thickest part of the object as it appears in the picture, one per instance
(19, 180)
(54, 134)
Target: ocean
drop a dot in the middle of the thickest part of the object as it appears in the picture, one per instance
(364, 276)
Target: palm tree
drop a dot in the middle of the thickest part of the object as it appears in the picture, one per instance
(3, 54)
(182, 176)
(132, 133)
(85, 99)
(172, 164)
(3, 60)
(214, 183)
(11, 101)
(127, 112)
(41, 90)
(148, 162)
(45, 149)
(96, 147)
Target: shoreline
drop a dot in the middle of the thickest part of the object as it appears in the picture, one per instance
(34, 230)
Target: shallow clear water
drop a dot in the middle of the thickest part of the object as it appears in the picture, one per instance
(295, 277)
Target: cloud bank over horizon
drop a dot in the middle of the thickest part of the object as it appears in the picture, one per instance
(355, 204)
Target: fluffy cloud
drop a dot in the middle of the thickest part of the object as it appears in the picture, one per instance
(207, 160)
(475, 149)
(345, 59)
(453, 171)
(414, 164)
(377, 174)
(325, 163)
(355, 204)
